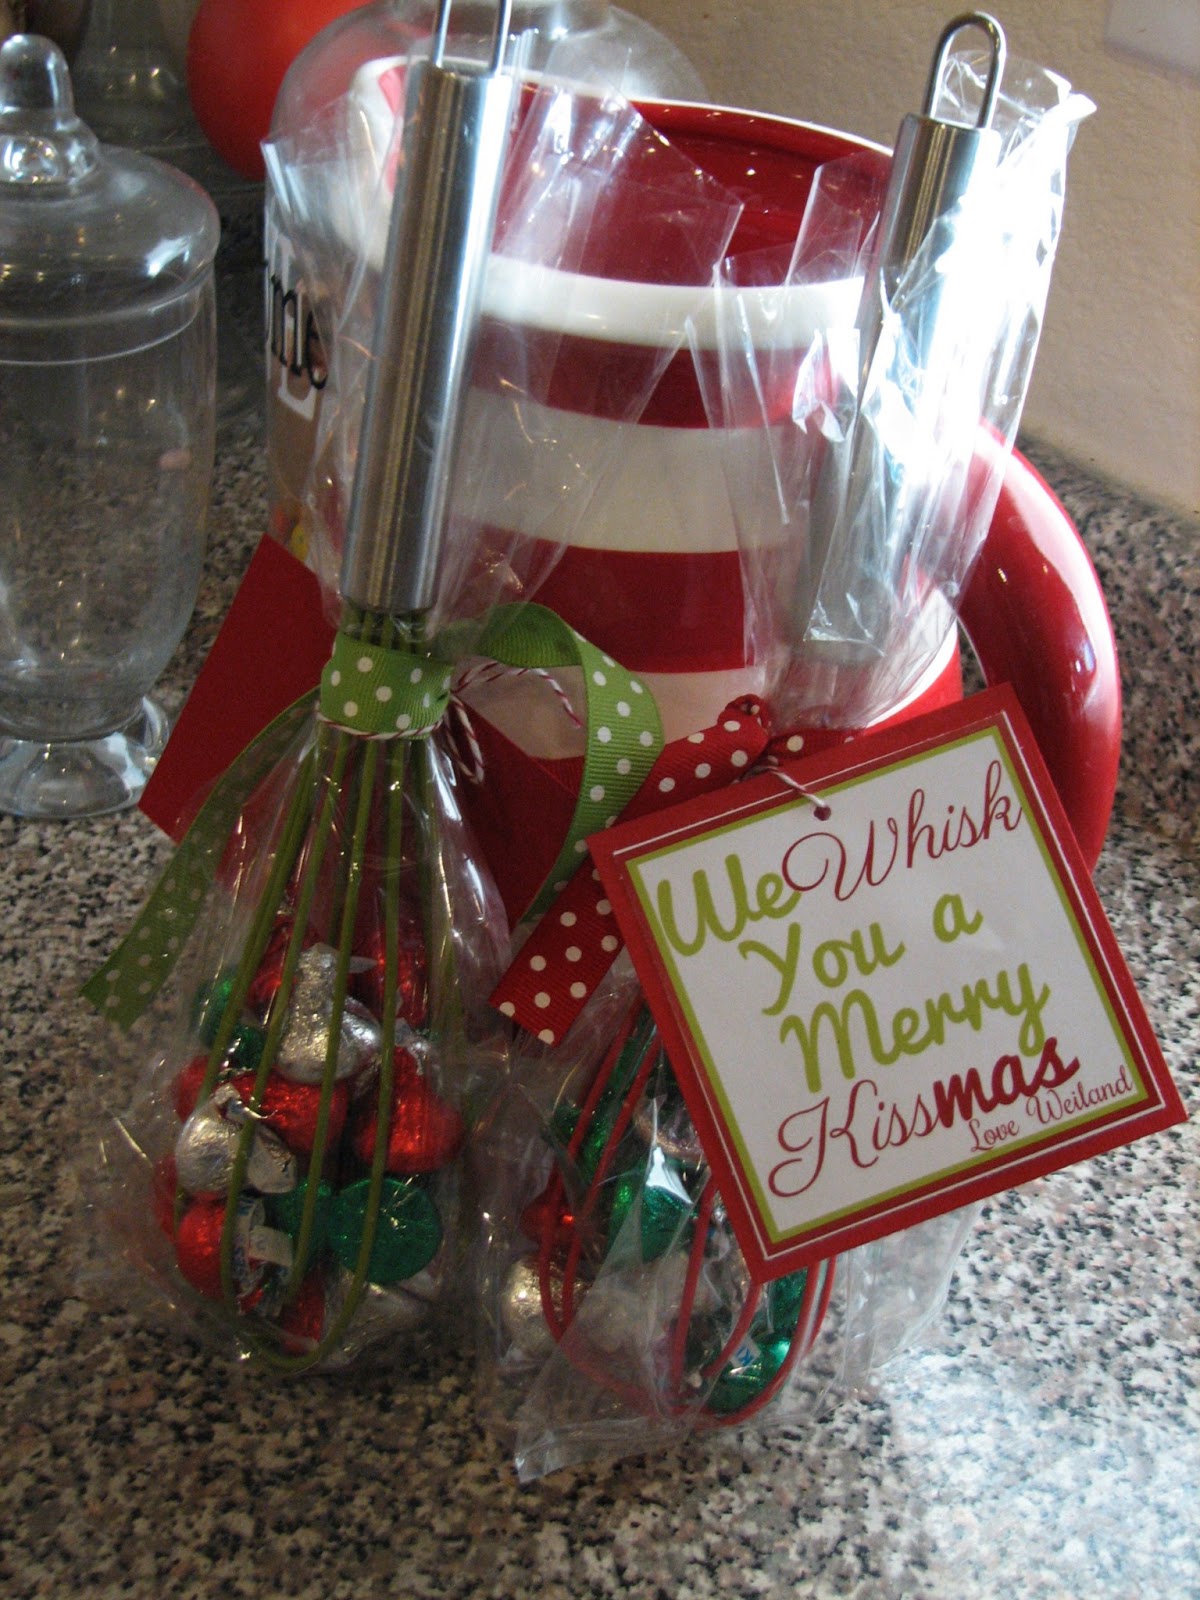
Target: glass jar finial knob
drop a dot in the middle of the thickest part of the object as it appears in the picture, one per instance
(41, 139)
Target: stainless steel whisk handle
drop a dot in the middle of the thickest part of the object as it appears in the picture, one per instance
(456, 128)
(933, 166)
(857, 527)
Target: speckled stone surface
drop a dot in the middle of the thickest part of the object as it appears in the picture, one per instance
(1043, 1443)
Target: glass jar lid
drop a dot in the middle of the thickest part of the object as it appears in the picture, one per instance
(101, 248)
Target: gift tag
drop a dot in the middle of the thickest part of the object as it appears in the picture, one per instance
(885, 982)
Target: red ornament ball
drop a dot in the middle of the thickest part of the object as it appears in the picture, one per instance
(237, 54)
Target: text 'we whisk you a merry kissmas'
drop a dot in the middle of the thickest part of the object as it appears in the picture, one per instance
(828, 998)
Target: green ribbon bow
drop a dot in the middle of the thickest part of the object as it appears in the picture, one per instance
(378, 692)
(381, 692)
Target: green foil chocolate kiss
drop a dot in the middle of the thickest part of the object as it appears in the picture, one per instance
(408, 1229)
(663, 1213)
(212, 1000)
(744, 1379)
(285, 1211)
(245, 1047)
(785, 1296)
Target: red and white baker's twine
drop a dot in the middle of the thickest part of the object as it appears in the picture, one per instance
(771, 761)
(461, 728)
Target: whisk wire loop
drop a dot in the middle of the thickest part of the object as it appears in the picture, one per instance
(605, 1117)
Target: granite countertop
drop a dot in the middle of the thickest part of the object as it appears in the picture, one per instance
(1043, 1441)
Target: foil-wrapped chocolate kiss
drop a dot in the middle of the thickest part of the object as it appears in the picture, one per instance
(208, 1141)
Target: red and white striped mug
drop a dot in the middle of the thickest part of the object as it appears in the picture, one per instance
(651, 571)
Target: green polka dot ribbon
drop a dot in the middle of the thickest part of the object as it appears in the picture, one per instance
(379, 692)
(141, 964)
(382, 692)
(621, 720)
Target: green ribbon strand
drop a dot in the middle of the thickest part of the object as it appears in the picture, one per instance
(382, 692)
(141, 964)
(621, 723)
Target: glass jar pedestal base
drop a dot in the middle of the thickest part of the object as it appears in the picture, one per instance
(82, 777)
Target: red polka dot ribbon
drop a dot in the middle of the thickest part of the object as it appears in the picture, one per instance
(569, 951)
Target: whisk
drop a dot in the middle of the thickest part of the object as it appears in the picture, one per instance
(322, 995)
(631, 1188)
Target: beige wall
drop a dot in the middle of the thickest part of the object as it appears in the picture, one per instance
(1117, 381)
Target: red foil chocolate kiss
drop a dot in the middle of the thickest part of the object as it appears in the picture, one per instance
(266, 980)
(302, 1320)
(425, 1131)
(290, 1109)
(198, 1252)
(536, 1216)
(412, 989)
(185, 1091)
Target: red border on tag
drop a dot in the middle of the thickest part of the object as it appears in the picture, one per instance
(996, 709)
